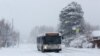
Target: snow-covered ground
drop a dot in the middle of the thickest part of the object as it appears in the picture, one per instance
(31, 50)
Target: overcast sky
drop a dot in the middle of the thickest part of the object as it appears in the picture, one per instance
(30, 13)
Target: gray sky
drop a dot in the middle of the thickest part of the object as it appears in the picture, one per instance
(29, 13)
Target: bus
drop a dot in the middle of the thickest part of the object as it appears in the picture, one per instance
(49, 42)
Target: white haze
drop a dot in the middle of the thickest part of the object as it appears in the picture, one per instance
(30, 13)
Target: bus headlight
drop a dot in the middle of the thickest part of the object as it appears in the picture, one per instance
(45, 47)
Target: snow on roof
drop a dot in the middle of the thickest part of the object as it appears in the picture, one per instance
(96, 33)
(43, 34)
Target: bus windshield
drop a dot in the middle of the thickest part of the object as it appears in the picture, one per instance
(53, 40)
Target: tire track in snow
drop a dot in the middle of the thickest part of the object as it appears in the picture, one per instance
(48, 55)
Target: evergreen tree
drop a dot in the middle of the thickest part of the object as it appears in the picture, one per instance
(71, 20)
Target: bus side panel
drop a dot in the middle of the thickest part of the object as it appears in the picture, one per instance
(40, 43)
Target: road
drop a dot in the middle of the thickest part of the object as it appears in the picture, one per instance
(31, 50)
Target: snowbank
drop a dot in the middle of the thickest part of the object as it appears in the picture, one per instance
(96, 33)
(80, 42)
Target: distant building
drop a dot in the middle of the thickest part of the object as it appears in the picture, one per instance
(95, 39)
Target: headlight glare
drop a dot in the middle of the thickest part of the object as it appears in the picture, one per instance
(45, 46)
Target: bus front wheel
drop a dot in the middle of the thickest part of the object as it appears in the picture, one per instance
(43, 50)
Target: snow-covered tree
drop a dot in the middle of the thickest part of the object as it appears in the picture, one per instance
(71, 20)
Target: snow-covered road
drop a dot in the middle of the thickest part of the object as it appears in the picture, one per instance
(31, 50)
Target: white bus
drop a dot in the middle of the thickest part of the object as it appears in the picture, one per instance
(49, 42)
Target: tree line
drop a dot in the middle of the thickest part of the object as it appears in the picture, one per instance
(8, 36)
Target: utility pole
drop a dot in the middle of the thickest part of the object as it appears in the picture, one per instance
(12, 31)
(17, 33)
(12, 23)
